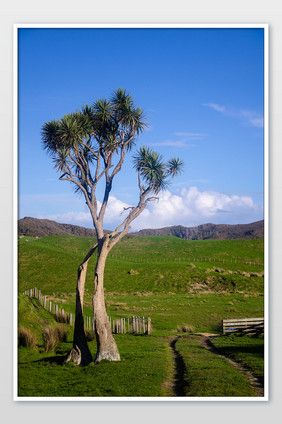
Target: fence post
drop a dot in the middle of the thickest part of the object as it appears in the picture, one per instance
(121, 325)
(50, 306)
(128, 325)
(143, 325)
(149, 326)
(70, 318)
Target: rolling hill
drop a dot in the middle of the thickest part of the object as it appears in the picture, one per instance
(42, 227)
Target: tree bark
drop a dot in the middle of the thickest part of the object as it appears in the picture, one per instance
(106, 345)
(80, 353)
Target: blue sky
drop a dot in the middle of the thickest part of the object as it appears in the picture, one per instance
(202, 91)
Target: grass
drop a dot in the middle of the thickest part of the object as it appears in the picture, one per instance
(161, 264)
(208, 375)
(141, 372)
(246, 349)
(183, 285)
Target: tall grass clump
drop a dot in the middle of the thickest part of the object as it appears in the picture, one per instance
(26, 338)
(53, 336)
(62, 317)
(90, 335)
(186, 328)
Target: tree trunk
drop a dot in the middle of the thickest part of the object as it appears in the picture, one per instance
(80, 353)
(106, 345)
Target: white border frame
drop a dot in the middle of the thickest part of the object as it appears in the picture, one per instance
(265, 27)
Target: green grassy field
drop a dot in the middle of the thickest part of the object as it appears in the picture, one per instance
(180, 284)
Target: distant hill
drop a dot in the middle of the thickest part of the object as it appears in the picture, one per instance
(254, 230)
(42, 227)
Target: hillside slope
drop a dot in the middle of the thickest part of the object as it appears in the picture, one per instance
(43, 227)
(210, 231)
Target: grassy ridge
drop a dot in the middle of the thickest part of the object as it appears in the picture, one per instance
(160, 264)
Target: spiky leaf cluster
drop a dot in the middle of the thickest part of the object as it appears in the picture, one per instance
(154, 171)
(106, 126)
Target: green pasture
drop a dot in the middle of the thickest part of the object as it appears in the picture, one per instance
(180, 284)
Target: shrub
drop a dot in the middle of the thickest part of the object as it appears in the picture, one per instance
(26, 338)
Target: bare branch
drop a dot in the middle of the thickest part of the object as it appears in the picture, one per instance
(90, 149)
(88, 256)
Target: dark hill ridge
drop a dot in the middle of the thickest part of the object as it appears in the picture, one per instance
(42, 227)
(254, 230)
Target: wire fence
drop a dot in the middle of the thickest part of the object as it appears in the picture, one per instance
(190, 259)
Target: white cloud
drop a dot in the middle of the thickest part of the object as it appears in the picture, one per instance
(215, 106)
(193, 136)
(247, 117)
(75, 218)
(173, 143)
(190, 207)
(184, 140)
(253, 118)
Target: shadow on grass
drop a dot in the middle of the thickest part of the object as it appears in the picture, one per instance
(255, 349)
(180, 385)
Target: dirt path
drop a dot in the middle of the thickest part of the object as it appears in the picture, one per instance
(179, 382)
(256, 384)
(176, 384)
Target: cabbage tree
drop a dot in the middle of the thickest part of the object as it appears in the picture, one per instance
(88, 148)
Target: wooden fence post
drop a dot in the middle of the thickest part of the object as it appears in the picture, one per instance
(149, 326)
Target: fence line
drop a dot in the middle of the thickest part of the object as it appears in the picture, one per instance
(254, 261)
(134, 324)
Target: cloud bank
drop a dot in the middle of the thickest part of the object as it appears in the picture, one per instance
(189, 207)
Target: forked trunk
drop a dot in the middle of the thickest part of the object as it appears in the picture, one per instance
(106, 345)
(80, 353)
